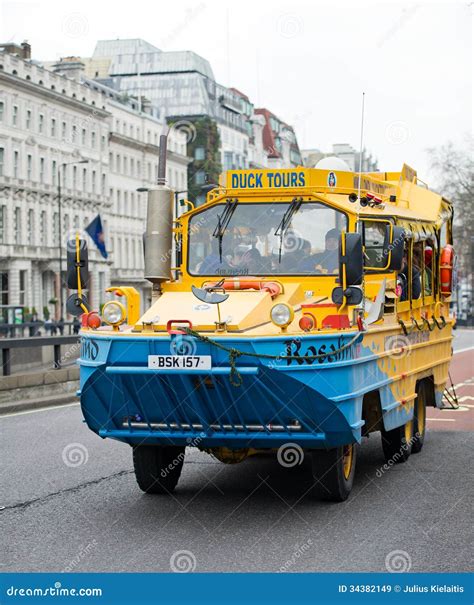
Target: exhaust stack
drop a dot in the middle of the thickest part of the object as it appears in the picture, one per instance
(159, 225)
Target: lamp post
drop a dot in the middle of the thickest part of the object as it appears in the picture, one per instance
(60, 251)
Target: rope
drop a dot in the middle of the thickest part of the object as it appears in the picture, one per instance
(235, 376)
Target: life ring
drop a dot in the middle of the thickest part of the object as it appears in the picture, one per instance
(272, 287)
(446, 269)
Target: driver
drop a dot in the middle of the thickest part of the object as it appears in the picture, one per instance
(326, 261)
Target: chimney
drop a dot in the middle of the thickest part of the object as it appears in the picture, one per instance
(26, 50)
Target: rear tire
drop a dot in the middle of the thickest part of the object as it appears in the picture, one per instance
(397, 444)
(157, 468)
(333, 472)
(419, 426)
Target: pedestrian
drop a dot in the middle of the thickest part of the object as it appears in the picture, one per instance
(61, 326)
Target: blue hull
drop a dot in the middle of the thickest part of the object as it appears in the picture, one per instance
(314, 403)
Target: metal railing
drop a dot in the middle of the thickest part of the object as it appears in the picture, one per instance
(7, 344)
(36, 328)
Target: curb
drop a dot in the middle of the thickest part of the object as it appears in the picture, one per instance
(27, 405)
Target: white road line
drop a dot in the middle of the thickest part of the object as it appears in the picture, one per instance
(51, 407)
(440, 419)
(463, 350)
(466, 398)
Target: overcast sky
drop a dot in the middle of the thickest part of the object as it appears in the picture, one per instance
(307, 61)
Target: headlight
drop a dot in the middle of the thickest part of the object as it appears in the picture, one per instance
(282, 315)
(114, 313)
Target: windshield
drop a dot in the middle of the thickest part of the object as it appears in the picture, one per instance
(253, 242)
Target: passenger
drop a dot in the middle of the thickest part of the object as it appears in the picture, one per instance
(296, 249)
(323, 262)
(415, 280)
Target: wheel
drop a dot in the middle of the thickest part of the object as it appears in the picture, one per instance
(157, 469)
(333, 472)
(397, 443)
(419, 425)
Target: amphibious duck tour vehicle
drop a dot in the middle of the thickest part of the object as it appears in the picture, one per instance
(296, 311)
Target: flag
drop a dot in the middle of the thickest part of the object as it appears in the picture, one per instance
(96, 231)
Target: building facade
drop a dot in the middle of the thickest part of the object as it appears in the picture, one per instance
(59, 130)
(345, 152)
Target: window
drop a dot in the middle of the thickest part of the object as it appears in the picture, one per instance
(308, 246)
(103, 184)
(94, 179)
(31, 227)
(22, 297)
(200, 177)
(200, 153)
(2, 156)
(2, 224)
(54, 172)
(17, 225)
(373, 238)
(28, 119)
(15, 115)
(44, 230)
(63, 130)
(84, 179)
(125, 202)
(40, 123)
(55, 227)
(74, 133)
(2, 110)
(16, 161)
(4, 287)
(53, 127)
(41, 174)
(83, 137)
(93, 139)
(111, 161)
(29, 167)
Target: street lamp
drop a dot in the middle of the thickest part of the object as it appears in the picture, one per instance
(60, 252)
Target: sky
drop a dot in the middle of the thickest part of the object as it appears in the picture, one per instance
(307, 61)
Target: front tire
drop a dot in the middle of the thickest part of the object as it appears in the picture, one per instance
(333, 472)
(397, 444)
(157, 468)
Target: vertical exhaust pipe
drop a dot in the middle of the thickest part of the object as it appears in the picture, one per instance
(159, 225)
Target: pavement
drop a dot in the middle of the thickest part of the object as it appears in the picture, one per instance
(70, 503)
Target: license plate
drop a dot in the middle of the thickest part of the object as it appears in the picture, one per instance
(180, 362)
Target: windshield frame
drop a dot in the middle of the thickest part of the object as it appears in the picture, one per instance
(243, 202)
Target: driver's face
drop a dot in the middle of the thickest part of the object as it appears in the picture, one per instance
(331, 243)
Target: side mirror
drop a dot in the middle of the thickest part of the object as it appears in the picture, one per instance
(393, 247)
(353, 295)
(77, 258)
(351, 259)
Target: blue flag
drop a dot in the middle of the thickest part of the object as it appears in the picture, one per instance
(96, 231)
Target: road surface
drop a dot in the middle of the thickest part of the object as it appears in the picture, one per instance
(70, 503)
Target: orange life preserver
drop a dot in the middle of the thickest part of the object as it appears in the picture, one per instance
(446, 269)
(274, 288)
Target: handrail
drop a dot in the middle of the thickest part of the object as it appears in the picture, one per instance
(6, 344)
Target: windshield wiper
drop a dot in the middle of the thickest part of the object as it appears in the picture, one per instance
(223, 220)
(286, 221)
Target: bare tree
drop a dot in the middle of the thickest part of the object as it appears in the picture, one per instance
(454, 167)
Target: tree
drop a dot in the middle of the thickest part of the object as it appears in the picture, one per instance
(454, 167)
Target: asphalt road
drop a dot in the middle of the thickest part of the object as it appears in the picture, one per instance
(255, 516)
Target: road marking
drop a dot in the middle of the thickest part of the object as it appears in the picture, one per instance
(466, 398)
(463, 350)
(441, 419)
(52, 407)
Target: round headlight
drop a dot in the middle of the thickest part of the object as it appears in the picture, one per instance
(282, 315)
(114, 313)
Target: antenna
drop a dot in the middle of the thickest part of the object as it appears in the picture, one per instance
(361, 145)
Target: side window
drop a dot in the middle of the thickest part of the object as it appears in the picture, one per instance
(373, 233)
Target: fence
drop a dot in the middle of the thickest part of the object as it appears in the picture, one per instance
(7, 344)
